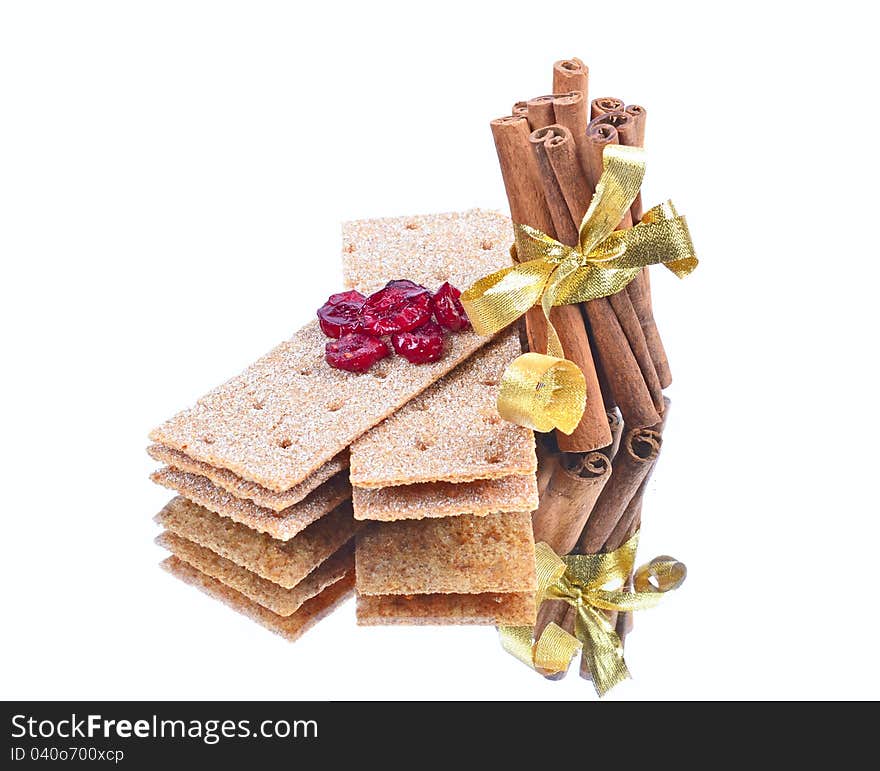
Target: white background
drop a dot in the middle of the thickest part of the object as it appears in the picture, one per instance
(172, 180)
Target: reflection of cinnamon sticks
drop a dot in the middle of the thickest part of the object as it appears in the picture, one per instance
(639, 449)
(573, 488)
(528, 205)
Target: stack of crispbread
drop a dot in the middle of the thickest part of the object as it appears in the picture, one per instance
(448, 484)
(263, 518)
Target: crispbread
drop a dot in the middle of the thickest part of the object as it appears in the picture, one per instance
(282, 525)
(241, 488)
(445, 499)
(451, 433)
(289, 413)
(276, 598)
(289, 627)
(419, 609)
(281, 562)
(452, 555)
(458, 247)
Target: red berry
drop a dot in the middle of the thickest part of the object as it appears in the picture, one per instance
(399, 307)
(448, 308)
(420, 345)
(341, 314)
(355, 352)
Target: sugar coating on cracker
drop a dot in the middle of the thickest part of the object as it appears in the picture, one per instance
(281, 562)
(450, 433)
(289, 627)
(276, 598)
(282, 525)
(289, 413)
(466, 555)
(458, 247)
(241, 488)
(432, 609)
(446, 499)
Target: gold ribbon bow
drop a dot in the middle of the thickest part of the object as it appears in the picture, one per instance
(546, 391)
(590, 583)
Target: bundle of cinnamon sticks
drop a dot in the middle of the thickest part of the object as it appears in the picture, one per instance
(593, 480)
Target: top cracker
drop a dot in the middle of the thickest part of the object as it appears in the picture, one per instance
(290, 412)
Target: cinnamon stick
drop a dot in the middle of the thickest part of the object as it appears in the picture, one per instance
(540, 111)
(619, 340)
(639, 115)
(571, 75)
(520, 110)
(559, 138)
(556, 157)
(615, 424)
(522, 182)
(605, 104)
(570, 111)
(640, 288)
(566, 504)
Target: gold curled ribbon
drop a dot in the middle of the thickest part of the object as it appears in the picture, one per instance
(604, 261)
(590, 583)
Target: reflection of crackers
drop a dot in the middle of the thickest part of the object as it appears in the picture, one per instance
(417, 609)
(452, 555)
(281, 562)
(276, 598)
(289, 413)
(451, 433)
(282, 525)
(290, 627)
(241, 488)
(445, 499)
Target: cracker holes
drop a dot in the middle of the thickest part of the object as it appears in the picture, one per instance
(412, 225)
(285, 443)
(490, 383)
(486, 245)
(305, 372)
(421, 406)
(493, 456)
(335, 405)
(380, 374)
(209, 439)
(258, 404)
(350, 248)
(425, 442)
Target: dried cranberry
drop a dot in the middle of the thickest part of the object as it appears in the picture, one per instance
(355, 352)
(341, 314)
(448, 308)
(420, 345)
(399, 307)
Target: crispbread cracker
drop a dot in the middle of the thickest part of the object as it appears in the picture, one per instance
(281, 562)
(276, 598)
(282, 525)
(290, 627)
(458, 247)
(241, 488)
(445, 499)
(452, 432)
(424, 609)
(289, 413)
(452, 555)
